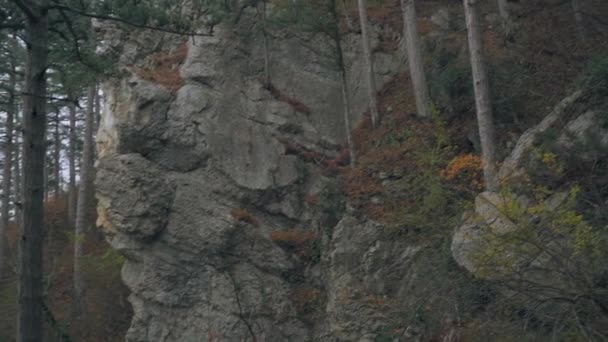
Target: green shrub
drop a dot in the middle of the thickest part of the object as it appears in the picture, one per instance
(451, 84)
(595, 77)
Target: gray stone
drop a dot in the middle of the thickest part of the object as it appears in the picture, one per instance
(193, 181)
(135, 197)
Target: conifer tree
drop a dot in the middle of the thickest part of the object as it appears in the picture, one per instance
(10, 108)
(34, 119)
(32, 16)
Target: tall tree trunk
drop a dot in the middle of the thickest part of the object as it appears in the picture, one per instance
(505, 17)
(17, 161)
(414, 56)
(369, 62)
(97, 114)
(6, 173)
(45, 182)
(262, 14)
(337, 38)
(34, 112)
(347, 115)
(578, 17)
(72, 196)
(482, 95)
(57, 155)
(83, 217)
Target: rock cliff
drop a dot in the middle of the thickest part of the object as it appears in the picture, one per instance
(215, 187)
(200, 166)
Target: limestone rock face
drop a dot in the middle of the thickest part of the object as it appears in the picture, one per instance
(574, 122)
(370, 278)
(195, 176)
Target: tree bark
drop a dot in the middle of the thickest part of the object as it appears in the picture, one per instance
(336, 37)
(6, 173)
(414, 55)
(369, 62)
(265, 41)
(57, 156)
(17, 161)
(505, 17)
(72, 197)
(83, 217)
(482, 95)
(34, 112)
(578, 17)
(349, 136)
(97, 115)
(45, 182)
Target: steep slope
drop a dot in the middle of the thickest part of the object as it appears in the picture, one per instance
(203, 177)
(238, 218)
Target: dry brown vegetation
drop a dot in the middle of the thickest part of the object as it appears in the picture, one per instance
(163, 68)
(242, 215)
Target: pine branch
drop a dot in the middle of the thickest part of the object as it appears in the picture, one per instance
(58, 6)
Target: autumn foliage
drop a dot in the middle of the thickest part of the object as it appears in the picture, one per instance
(163, 68)
(465, 171)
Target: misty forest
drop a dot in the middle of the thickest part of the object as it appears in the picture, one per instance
(304, 170)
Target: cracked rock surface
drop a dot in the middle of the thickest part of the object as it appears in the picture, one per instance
(194, 178)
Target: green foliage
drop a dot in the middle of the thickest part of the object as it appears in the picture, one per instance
(595, 77)
(305, 16)
(308, 19)
(388, 333)
(582, 162)
(432, 206)
(106, 266)
(509, 93)
(450, 82)
(548, 253)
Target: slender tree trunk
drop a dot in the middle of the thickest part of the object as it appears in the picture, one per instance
(6, 174)
(414, 55)
(34, 112)
(97, 114)
(482, 95)
(369, 62)
(72, 197)
(262, 14)
(505, 17)
(578, 17)
(335, 35)
(347, 115)
(347, 18)
(45, 182)
(83, 217)
(17, 161)
(57, 156)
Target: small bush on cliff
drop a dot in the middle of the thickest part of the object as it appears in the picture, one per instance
(595, 77)
(464, 173)
(551, 256)
(429, 204)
